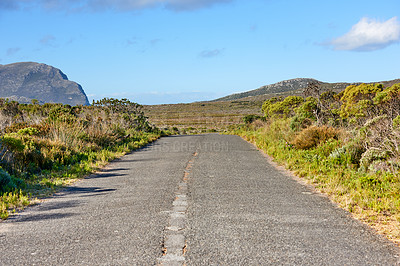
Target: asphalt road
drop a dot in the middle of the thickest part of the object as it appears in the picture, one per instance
(194, 200)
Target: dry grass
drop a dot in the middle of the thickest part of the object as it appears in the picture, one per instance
(313, 136)
(201, 116)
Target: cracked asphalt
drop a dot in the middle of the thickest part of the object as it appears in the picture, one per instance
(241, 211)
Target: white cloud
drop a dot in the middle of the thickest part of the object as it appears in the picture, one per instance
(369, 35)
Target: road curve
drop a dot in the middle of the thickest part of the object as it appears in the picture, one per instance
(194, 200)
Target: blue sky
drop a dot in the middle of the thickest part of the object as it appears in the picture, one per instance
(170, 51)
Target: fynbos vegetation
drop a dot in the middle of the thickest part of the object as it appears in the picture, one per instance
(43, 147)
(347, 144)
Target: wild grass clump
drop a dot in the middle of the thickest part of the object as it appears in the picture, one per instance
(11, 202)
(313, 136)
(45, 147)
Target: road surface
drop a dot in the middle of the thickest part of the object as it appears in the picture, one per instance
(190, 200)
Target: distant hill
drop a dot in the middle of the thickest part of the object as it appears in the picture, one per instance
(25, 81)
(292, 87)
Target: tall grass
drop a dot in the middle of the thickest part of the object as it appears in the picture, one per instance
(49, 146)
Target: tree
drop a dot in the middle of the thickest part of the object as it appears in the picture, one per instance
(388, 101)
(285, 108)
(358, 102)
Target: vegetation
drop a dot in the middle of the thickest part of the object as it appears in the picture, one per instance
(45, 147)
(201, 117)
(347, 144)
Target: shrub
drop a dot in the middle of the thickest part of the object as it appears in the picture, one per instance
(388, 100)
(5, 179)
(285, 108)
(396, 123)
(62, 113)
(381, 133)
(368, 181)
(314, 136)
(248, 119)
(350, 153)
(30, 131)
(370, 156)
(308, 109)
(13, 142)
(266, 105)
(298, 123)
(26, 129)
(355, 152)
(15, 127)
(358, 101)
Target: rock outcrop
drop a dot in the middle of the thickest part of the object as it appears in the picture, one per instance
(26, 81)
(294, 87)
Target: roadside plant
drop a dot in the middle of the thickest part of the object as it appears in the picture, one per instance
(282, 108)
(43, 147)
(5, 180)
(248, 119)
(388, 101)
(347, 144)
(358, 102)
(313, 136)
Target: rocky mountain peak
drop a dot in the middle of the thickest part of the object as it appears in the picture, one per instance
(25, 81)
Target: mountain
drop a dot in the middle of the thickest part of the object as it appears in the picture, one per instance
(25, 81)
(292, 87)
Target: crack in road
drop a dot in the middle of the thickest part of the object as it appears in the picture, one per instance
(174, 245)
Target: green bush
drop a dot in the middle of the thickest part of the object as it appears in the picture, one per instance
(396, 123)
(388, 101)
(299, 122)
(349, 154)
(248, 119)
(30, 131)
(308, 109)
(62, 113)
(370, 156)
(282, 108)
(369, 182)
(5, 180)
(358, 101)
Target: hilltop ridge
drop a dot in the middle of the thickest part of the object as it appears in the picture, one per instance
(294, 87)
